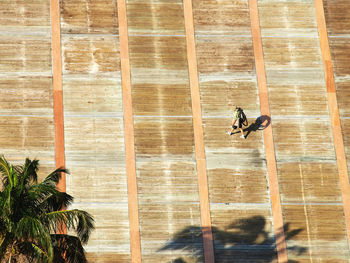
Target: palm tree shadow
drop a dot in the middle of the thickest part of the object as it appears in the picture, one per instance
(261, 123)
(244, 240)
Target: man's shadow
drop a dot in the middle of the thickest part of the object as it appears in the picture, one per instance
(261, 123)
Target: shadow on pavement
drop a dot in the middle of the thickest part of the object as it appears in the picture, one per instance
(261, 123)
(244, 240)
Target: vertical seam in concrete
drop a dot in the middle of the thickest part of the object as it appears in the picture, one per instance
(198, 135)
(268, 137)
(57, 90)
(135, 244)
(334, 112)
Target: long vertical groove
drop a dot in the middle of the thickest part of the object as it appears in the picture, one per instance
(135, 244)
(198, 135)
(57, 90)
(334, 112)
(268, 137)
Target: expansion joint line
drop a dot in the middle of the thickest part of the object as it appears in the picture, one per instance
(135, 244)
(198, 134)
(268, 138)
(334, 113)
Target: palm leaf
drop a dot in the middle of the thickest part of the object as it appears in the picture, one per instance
(30, 212)
(4, 167)
(49, 198)
(8, 173)
(41, 192)
(60, 201)
(32, 229)
(55, 176)
(5, 241)
(40, 254)
(6, 208)
(32, 252)
(68, 249)
(78, 220)
(28, 172)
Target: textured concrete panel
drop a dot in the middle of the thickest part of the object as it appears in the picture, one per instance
(84, 16)
(162, 137)
(28, 54)
(221, 17)
(296, 17)
(92, 96)
(155, 16)
(337, 16)
(94, 54)
(29, 15)
(322, 236)
(26, 95)
(161, 100)
(309, 182)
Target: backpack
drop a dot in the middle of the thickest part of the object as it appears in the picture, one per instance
(239, 114)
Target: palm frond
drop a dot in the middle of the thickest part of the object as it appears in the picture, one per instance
(4, 167)
(5, 240)
(80, 221)
(39, 254)
(58, 202)
(6, 204)
(49, 198)
(8, 173)
(3, 228)
(68, 249)
(42, 192)
(31, 252)
(29, 171)
(29, 228)
(55, 176)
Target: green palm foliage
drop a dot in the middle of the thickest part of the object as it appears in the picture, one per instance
(32, 213)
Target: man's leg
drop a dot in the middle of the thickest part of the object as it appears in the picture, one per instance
(242, 136)
(233, 126)
(230, 132)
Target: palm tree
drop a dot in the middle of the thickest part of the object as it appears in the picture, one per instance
(32, 213)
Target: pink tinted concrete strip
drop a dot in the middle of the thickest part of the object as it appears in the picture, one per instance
(57, 90)
(334, 112)
(135, 243)
(268, 137)
(198, 135)
(58, 97)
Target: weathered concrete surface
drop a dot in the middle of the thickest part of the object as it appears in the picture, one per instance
(164, 139)
(25, 87)
(94, 131)
(303, 130)
(338, 21)
(164, 134)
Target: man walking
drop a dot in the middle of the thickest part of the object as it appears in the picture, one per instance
(239, 118)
